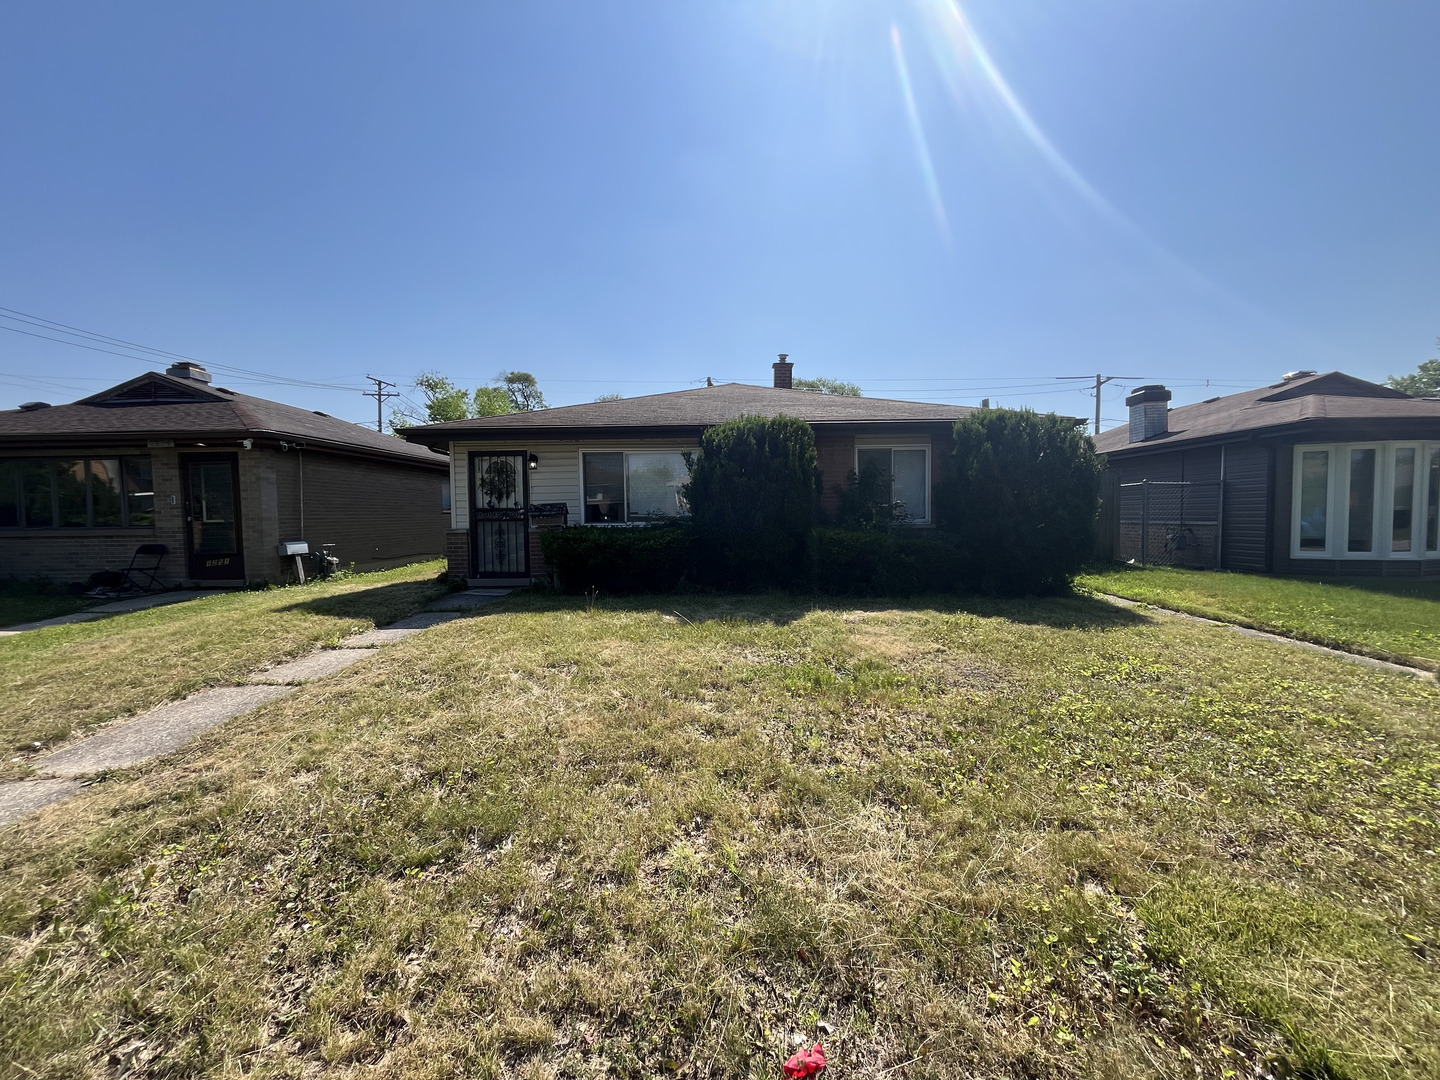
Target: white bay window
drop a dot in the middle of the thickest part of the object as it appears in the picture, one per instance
(1366, 500)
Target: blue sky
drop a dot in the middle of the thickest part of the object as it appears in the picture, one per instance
(938, 202)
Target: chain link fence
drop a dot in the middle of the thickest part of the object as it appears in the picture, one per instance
(1168, 523)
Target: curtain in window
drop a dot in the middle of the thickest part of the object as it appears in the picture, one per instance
(653, 483)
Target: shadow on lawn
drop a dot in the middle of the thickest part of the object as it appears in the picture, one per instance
(1068, 612)
(382, 603)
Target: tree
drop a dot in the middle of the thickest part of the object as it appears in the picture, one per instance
(752, 500)
(823, 385)
(608, 397)
(1425, 382)
(1022, 500)
(444, 401)
(523, 390)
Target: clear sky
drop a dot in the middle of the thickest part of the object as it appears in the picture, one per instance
(934, 201)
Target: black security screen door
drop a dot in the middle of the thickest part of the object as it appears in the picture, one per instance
(212, 517)
(498, 520)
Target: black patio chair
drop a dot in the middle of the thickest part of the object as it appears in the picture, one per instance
(143, 573)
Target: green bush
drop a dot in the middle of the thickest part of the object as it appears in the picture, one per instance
(850, 562)
(865, 501)
(649, 558)
(752, 501)
(1022, 500)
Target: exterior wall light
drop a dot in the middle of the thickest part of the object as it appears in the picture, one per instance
(532, 461)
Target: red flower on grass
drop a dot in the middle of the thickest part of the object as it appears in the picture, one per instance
(806, 1062)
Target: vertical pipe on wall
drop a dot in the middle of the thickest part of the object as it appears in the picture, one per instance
(300, 454)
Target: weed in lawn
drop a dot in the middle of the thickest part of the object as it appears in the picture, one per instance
(571, 839)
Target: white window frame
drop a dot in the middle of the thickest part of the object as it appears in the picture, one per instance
(929, 517)
(625, 481)
(1337, 525)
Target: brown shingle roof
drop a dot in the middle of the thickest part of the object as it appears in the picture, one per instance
(159, 406)
(690, 410)
(1333, 396)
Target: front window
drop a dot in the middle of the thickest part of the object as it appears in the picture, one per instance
(1372, 501)
(908, 471)
(76, 493)
(639, 486)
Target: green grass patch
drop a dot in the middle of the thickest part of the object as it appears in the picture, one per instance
(64, 680)
(1049, 839)
(24, 601)
(1387, 618)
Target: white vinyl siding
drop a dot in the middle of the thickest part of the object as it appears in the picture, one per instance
(556, 479)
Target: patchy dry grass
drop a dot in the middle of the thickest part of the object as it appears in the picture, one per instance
(63, 680)
(1388, 618)
(1043, 840)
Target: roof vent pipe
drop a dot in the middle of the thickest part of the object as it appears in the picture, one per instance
(1149, 412)
(782, 372)
(187, 369)
(1291, 376)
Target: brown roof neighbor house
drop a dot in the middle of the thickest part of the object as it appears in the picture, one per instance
(219, 478)
(623, 462)
(1316, 474)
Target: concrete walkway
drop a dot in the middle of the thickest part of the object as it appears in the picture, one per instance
(165, 729)
(1266, 635)
(117, 607)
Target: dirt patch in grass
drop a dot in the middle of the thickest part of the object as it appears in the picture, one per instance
(552, 842)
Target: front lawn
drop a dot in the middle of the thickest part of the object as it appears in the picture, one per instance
(1052, 839)
(61, 680)
(1389, 618)
(24, 601)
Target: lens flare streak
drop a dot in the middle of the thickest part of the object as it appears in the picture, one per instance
(917, 133)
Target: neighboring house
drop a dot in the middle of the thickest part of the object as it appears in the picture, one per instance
(1317, 474)
(219, 478)
(623, 462)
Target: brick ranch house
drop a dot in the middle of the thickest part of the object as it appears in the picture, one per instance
(219, 478)
(1315, 474)
(620, 463)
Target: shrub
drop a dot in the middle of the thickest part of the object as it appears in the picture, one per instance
(865, 501)
(1022, 500)
(752, 501)
(870, 563)
(649, 558)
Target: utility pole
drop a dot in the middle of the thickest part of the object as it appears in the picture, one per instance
(1100, 380)
(380, 394)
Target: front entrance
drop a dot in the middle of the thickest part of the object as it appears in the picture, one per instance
(499, 524)
(212, 517)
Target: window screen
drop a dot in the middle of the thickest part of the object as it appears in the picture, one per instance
(652, 486)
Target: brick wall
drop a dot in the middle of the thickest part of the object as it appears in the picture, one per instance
(71, 555)
(457, 553)
(836, 451)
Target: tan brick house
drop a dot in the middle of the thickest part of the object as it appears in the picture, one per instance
(622, 462)
(220, 478)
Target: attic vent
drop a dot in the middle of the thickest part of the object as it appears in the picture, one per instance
(317, 412)
(1210, 400)
(1291, 376)
(31, 406)
(153, 392)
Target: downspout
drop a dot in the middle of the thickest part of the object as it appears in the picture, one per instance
(301, 454)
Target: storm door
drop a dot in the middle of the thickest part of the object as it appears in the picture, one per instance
(212, 516)
(499, 525)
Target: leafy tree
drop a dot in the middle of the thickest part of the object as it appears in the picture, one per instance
(752, 500)
(865, 501)
(444, 401)
(1022, 500)
(523, 390)
(1425, 382)
(608, 397)
(823, 385)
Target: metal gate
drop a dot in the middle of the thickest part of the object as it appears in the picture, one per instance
(499, 527)
(1169, 522)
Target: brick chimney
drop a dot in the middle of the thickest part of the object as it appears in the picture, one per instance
(783, 368)
(185, 369)
(1149, 412)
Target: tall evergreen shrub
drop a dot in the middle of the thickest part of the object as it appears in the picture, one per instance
(1022, 500)
(752, 501)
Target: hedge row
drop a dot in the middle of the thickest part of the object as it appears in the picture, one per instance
(668, 558)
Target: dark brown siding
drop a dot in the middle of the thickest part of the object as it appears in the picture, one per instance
(1245, 539)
